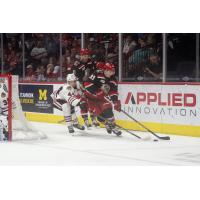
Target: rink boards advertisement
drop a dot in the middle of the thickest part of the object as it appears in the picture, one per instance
(36, 98)
(171, 104)
(166, 108)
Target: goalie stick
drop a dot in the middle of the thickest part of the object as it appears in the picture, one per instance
(142, 125)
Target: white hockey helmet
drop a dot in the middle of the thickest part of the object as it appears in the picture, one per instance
(71, 77)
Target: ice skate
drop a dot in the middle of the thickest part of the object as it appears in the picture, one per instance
(95, 123)
(116, 131)
(108, 126)
(71, 129)
(79, 126)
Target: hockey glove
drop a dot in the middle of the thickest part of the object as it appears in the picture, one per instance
(83, 105)
(117, 105)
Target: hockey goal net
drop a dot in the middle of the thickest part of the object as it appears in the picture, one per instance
(13, 123)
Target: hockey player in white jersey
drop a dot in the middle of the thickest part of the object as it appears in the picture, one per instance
(66, 98)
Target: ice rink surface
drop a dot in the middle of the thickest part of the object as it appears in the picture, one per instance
(96, 147)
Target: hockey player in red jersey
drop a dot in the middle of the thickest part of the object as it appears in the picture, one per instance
(83, 69)
(85, 66)
(101, 91)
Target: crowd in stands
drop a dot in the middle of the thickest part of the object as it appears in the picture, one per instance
(142, 56)
(46, 56)
(50, 57)
(104, 47)
(12, 53)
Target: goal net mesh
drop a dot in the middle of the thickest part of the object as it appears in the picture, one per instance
(17, 127)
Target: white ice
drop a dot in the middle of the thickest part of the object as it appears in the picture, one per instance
(96, 147)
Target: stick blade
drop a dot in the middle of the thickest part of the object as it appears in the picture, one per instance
(164, 138)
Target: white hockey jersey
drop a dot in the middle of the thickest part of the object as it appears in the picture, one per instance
(68, 94)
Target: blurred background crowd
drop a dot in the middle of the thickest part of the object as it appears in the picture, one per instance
(137, 56)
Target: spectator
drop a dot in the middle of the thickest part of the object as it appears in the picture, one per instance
(12, 59)
(151, 40)
(102, 45)
(153, 68)
(52, 45)
(56, 72)
(143, 60)
(52, 72)
(40, 71)
(38, 52)
(30, 74)
(129, 45)
(13, 62)
(49, 72)
(142, 42)
(42, 54)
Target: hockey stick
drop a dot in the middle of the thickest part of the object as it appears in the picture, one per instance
(159, 137)
(61, 121)
(102, 118)
(126, 130)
